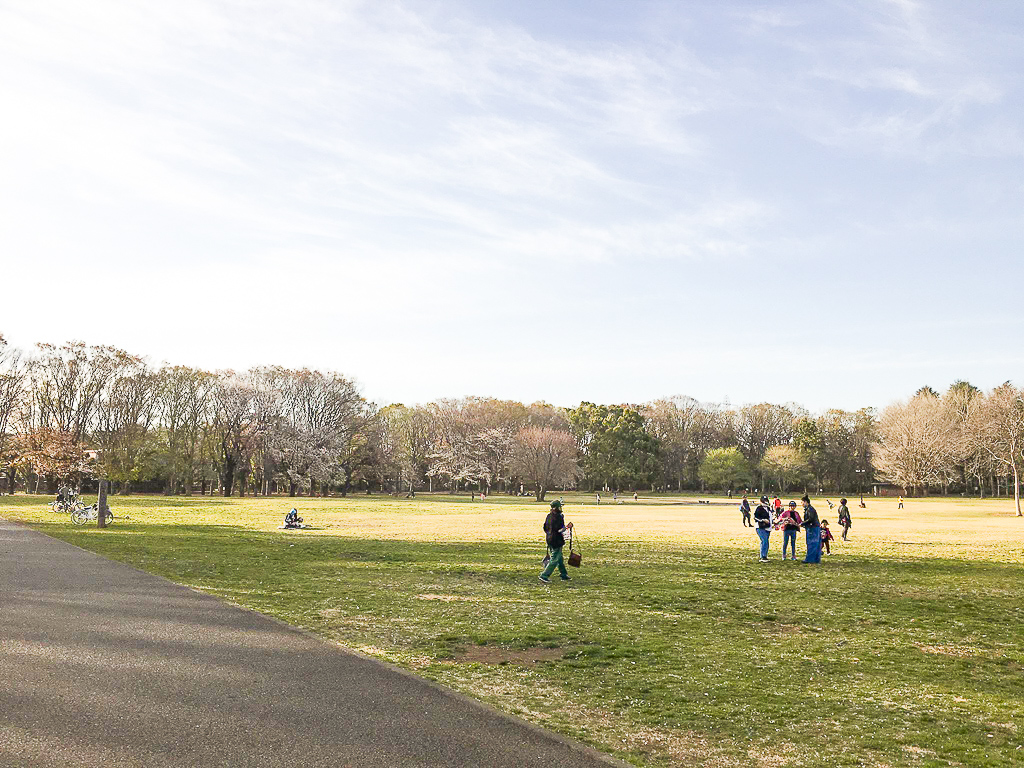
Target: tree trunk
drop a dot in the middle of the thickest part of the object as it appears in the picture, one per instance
(1016, 487)
(540, 493)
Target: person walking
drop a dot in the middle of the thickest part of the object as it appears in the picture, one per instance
(554, 531)
(844, 518)
(790, 520)
(763, 518)
(899, 504)
(745, 509)
(812, 529)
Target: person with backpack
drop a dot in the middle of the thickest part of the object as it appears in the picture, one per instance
(844, 518)
(555, 529)
(745, 509)
(763, 518)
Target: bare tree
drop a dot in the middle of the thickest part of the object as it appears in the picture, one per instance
(184, 402)
(456, 453)
(12, 390)
(963, 404)
(759, 427)
(786, 465)
(125, 413)
(913, 440)
(233, 418)
(545, 458)
(673, 422)
(1001, 431)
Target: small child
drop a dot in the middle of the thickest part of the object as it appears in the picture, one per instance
(826, 537)
(292, 519)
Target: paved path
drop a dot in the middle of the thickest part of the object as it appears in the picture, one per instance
(102, 665)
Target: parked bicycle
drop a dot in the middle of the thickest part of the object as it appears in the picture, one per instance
(67, 501)
(90, 514)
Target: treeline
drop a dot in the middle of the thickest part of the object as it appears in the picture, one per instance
(73, 412)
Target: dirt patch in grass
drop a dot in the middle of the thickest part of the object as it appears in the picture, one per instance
(957, 651)
(492, 654)
(774, 628)
(449, 598)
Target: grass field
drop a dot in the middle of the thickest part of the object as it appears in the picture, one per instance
(671, 646)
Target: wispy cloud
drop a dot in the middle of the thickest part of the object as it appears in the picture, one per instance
(448, 164)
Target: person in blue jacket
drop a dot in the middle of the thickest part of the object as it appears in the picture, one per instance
(812, 527)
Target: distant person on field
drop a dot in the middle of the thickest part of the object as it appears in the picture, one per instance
(745, 509)
(899, 505)
(292, 519)
(599, 499)
(844, 518)
(634, 496)
(812, 527)
(777, 507)
(826, 537)
(555, 529)
(790, 520)
(763, 518)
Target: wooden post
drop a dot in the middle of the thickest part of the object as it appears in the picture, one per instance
(103, 511)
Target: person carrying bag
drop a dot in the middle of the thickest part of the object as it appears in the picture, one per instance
(555, 529)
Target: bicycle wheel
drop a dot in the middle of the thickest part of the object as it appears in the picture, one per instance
(80, 516)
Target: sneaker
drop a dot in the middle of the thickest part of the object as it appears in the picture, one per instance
(565, 578)
(546, 581)
(762, 560)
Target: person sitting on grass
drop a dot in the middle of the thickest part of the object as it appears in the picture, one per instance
(554, 531)
(292, 520)
(826, 537)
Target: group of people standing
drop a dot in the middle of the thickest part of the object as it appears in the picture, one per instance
(769, 516)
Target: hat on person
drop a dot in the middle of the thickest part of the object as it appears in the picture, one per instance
(556, 504)
(764, 499)
(792, 503)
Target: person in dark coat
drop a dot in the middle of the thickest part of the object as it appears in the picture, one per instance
(812, 527)
(844, 518)
(555, 528)
(763, 518)
(745, 509)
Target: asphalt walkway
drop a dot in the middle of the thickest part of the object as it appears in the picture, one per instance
(103, 665)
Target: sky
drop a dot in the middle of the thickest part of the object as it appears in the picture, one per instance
(818, 202)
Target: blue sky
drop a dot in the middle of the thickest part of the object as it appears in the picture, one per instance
(817, 202)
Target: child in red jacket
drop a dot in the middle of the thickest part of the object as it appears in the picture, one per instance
(826, 537)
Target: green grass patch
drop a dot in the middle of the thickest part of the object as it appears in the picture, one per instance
(664, 650)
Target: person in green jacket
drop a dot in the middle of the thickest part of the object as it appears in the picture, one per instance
(554, 531)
